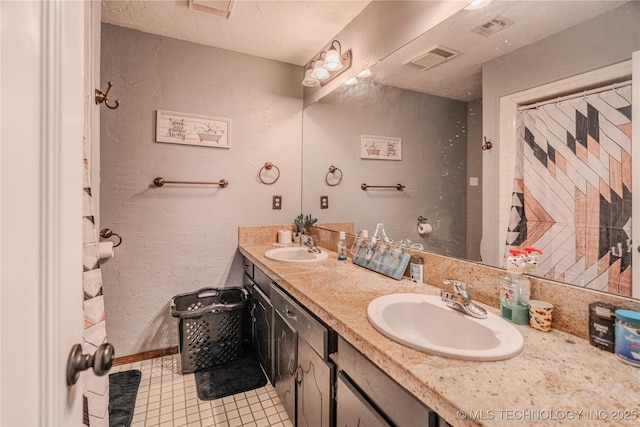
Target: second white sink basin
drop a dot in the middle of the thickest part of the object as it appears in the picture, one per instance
(294, 254)
(426, 323)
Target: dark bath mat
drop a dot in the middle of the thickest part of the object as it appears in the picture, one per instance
(241, 375)
(123, 388)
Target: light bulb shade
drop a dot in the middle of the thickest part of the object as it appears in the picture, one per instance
(333, 61)
(308, 79)
(319, 72)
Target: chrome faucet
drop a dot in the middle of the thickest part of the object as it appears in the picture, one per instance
(309, 243)
(460, 299)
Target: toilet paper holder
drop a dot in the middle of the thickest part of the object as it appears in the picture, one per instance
(423, 226)
(106, 233)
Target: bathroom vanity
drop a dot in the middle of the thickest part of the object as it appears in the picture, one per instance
(558, 378)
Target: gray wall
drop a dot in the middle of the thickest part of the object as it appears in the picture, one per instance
(474, 170)
(604, 40)
(433, 165)
(180, 238)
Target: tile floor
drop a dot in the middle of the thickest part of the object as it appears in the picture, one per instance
(168, 399)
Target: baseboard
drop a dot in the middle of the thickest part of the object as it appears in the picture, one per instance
(152, 354)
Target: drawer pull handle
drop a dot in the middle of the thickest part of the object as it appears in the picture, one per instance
(290, 314)
(290, 366)
(298, 374)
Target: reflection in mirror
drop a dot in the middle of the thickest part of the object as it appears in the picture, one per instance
(442, 114)
(432, 132)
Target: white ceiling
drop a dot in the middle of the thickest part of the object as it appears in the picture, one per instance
(291, 31)
(461, 77)
(294, 31)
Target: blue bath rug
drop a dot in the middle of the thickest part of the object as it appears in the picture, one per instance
(236, 377)
(123, 388)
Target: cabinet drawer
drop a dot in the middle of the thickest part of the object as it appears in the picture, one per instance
(308, 328)
(247, 266)
(262, 280)
(352, 409)
(399, 406)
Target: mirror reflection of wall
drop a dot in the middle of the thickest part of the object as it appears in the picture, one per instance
(580, 37)
(433, 166)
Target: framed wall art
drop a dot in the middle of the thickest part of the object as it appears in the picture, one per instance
(192, 129)
(380, 147)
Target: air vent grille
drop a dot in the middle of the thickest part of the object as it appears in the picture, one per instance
(492, 27)
(431, 58)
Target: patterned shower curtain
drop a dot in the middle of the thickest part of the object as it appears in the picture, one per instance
(96, 389)
(572, 189)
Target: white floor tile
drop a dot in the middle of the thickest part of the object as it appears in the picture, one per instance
(168, 398)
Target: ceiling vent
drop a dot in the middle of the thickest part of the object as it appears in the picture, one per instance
(431, 58)
(492, 27)
(213, 7)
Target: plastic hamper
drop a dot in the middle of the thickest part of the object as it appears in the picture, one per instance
(210, 326)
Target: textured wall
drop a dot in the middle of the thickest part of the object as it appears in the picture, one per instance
(433, 165)
(180, 238)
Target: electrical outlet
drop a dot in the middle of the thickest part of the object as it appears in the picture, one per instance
(324, 202)
(277, 202)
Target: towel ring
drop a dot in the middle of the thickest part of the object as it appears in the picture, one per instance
(332, 170)
(268, 166)
(106, 233)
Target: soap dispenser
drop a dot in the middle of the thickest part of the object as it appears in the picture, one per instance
(510, 306)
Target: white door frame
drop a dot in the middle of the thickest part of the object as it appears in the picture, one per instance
(41, 123)
(635, 174)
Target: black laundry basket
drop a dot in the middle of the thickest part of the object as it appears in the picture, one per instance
(210, 326)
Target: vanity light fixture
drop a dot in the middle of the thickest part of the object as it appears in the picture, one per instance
(326, 66)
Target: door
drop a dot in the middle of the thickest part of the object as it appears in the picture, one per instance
(315, 380)
(41, 135)
(352, 409)
(263, 319)
(286, 361)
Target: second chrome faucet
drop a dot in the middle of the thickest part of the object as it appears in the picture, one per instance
(460, 299)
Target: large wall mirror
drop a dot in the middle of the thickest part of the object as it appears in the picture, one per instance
(421, 117)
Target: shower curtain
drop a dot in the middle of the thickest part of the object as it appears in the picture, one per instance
(96, 389)
(572, 189)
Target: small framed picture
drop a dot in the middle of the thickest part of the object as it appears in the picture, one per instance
(380, 147)
(192, 129)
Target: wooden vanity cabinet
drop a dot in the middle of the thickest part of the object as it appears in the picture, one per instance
(321, 380)
(367, 396)
(304, 375)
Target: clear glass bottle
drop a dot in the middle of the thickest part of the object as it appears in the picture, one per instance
(342, 247)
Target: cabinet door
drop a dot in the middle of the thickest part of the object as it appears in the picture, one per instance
(286, 361)
(314, 377)
(352, 409)
(262, 331)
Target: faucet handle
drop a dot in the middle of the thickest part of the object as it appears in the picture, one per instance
(460, 288)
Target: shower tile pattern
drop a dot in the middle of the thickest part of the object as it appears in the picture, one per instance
(167, 398)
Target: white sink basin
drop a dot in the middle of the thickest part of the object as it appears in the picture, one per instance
(426, 323)
(294, 254)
